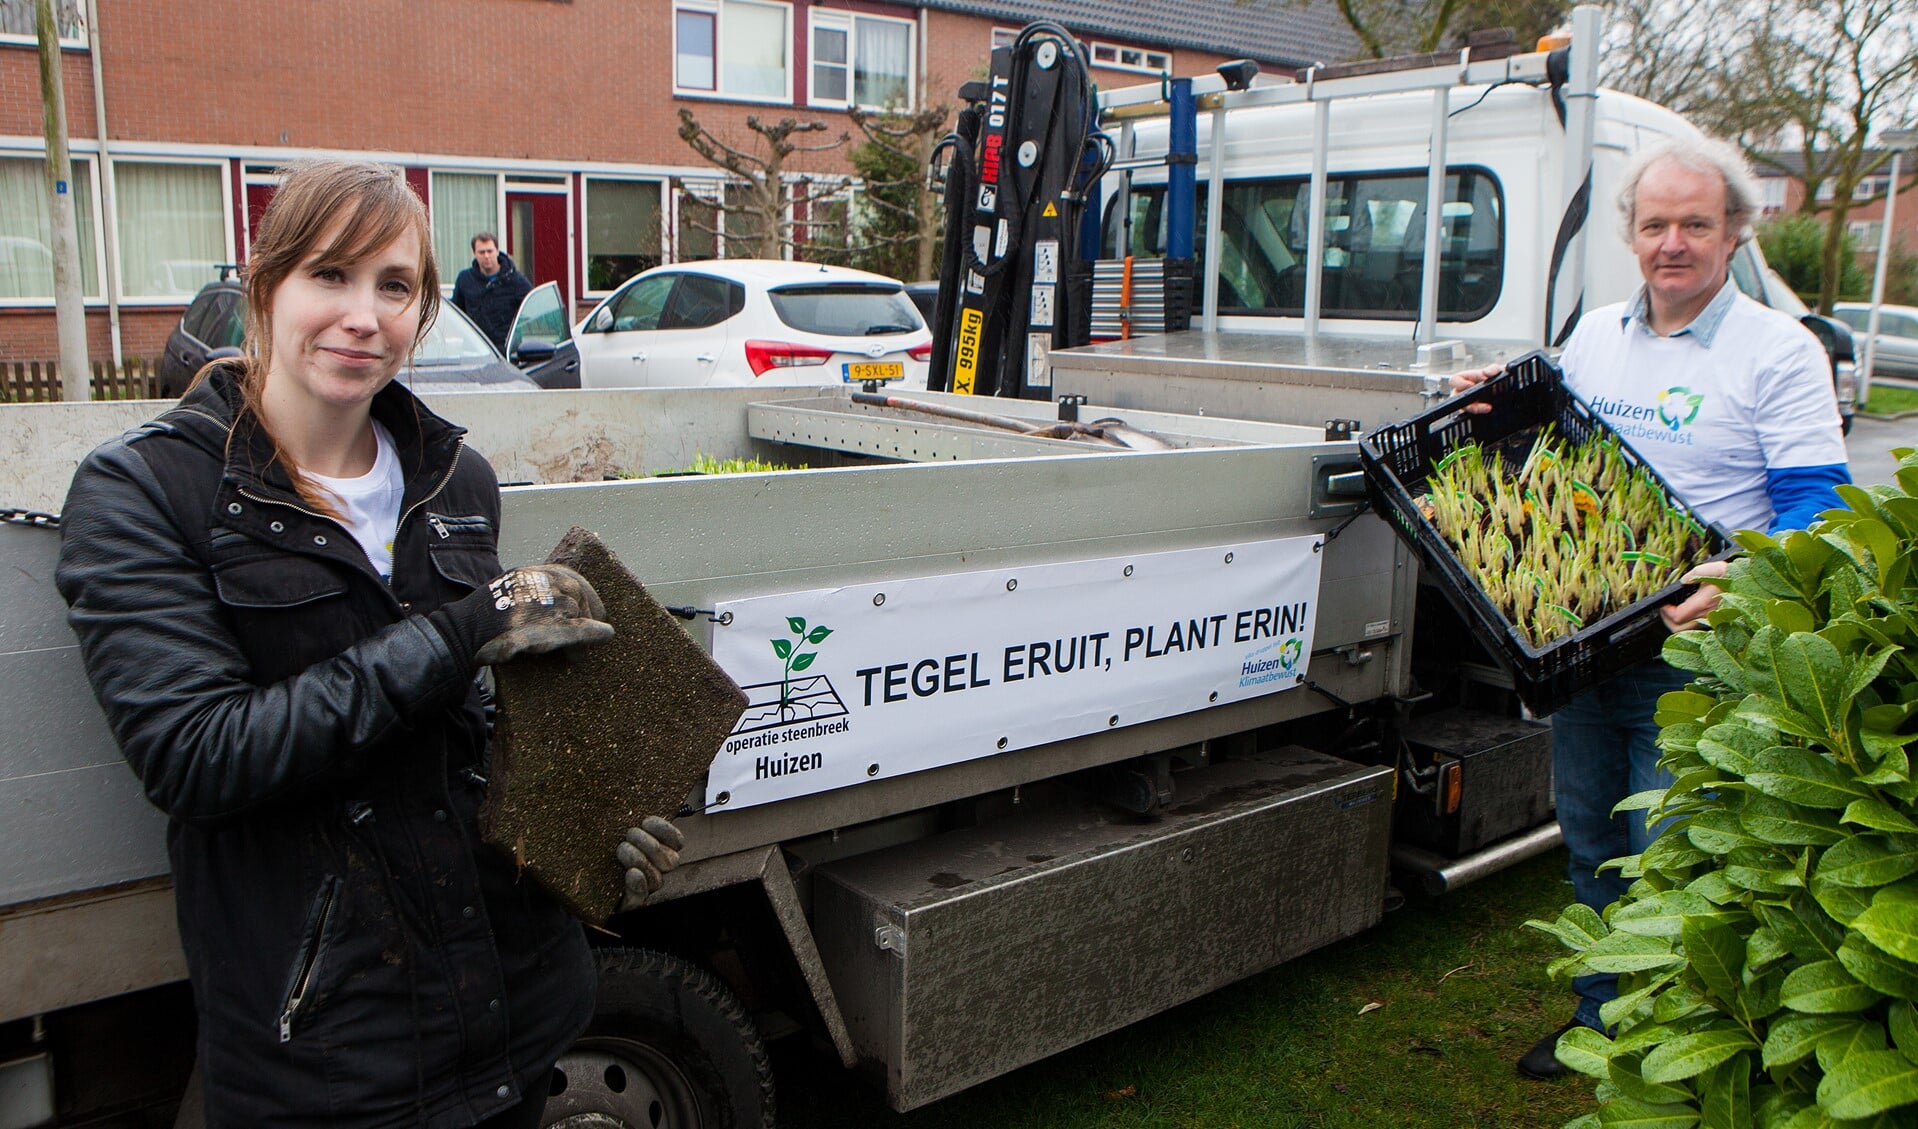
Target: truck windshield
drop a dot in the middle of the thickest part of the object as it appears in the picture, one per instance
(1374, 243)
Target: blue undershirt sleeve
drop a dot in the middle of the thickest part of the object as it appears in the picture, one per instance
(1800, 493)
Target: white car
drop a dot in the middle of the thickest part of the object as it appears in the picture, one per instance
(1897, 353)
(753, 322)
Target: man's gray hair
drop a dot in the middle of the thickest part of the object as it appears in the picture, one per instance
(1699, 154)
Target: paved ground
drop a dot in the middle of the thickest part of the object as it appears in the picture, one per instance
(1870, 445)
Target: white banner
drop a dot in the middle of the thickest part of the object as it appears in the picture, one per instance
(876, 680)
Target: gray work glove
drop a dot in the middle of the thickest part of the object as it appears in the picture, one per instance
(524, 611)
(647, 853)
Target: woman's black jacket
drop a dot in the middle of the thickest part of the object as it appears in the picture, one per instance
(358, 957)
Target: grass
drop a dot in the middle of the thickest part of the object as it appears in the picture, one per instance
(1887, 399)
(1461, 990)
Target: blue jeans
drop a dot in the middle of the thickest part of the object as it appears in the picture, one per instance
(1604, 748)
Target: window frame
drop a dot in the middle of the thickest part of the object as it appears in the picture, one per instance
(449, 272)
(98, 295)
(717, 10)
(847, 23)
(226, 221)
(663, 184)
(1109, 227)
(81, 42)
(1114, 57)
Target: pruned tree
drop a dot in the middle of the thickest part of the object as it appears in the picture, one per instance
(1398, 27)
(899, 228)
(755, 211)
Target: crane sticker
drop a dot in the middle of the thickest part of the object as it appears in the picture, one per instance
(921, 672)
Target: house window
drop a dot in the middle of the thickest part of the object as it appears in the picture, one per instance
(1865, 234)
(697, 227)
(861, 61)
(736, 48)
(622, 230)
(1115, 57)
(1867, 188)
(26, 228)
(463, 205)
(172, 226)
(1774, 190)
(69, 17)
(1827, 191)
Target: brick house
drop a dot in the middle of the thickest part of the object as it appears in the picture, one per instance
(1783, 192)
(552, 123)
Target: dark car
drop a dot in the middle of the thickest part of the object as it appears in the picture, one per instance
(453, 357)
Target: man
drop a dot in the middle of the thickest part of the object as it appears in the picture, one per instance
(1732, 403)
(491, 289)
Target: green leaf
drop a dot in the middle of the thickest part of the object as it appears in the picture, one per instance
(1623, 952)
(1719, 832)
(1867, 861)
(818, 634)
(1891, 921)
(1763, 880)
(1725, 1095)
(1779, 716)
(1763, 946)
(1681, 706)
(1787, 824)
(1691, 1055)
(1867, 671)
(1680, 1002)
(1804, 927)
(783, 648)
(1794, 1038)
(1758, 999)
(1624, 1113)
(1624, 1075)
(1789, 616)
(1825, 988)
(1578, 926)
(805, 660)
(1671, 853)
(1803, 776)
(1881, 971)
(798, 625)
(1843, 903)
(1614, 1012)
(1854, 1036)
(1717, 955)
(1587, 1051)
(1877, 815)
(1712, 886)
(1639, 801)
(1902, 1021)
(1868, 1083)
(1659, 915)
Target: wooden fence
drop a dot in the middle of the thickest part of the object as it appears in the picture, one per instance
(39, 381)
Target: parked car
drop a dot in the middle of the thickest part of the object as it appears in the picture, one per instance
(1897, 352)
(453, 357)
(753, 321)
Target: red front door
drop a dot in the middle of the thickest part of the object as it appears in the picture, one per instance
(536, 238)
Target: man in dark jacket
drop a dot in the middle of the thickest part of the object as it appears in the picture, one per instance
(491, 290)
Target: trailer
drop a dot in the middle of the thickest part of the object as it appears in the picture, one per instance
(1092, 719)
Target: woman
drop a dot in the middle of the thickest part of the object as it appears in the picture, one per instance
(283, 588)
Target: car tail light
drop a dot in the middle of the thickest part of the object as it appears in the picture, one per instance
(763, 355)
(920, 353)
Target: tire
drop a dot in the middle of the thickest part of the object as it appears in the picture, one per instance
(670, 1047)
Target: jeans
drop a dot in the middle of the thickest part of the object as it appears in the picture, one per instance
(1604, 748)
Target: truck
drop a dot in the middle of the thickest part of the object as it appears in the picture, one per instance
(1169, 713)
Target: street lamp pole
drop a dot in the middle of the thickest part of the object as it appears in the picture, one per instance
(1900, 140)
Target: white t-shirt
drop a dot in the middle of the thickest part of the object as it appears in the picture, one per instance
(1742, 389)
(370, 503)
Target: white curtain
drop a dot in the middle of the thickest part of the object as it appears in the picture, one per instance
(882, 64)
(69, 17)
(172, 228)
(464, 204)
(26, 229)
(753, 50)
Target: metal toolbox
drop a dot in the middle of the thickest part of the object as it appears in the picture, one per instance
(1089, 919)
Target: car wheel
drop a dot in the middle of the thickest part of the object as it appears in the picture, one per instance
(670, 1047)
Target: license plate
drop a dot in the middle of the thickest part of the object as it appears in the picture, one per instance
(878, 370)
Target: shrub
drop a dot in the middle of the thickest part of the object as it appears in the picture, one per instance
(1768, 946)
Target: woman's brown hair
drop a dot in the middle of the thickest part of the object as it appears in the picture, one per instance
(373, 205)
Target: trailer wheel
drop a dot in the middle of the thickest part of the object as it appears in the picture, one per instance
(670, 1047)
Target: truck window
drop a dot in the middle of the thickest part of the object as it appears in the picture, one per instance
(1374, 243)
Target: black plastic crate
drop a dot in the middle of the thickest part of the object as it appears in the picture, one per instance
(1527, 396)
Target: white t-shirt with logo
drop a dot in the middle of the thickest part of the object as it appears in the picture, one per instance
(370, 503)
(1715, 405)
